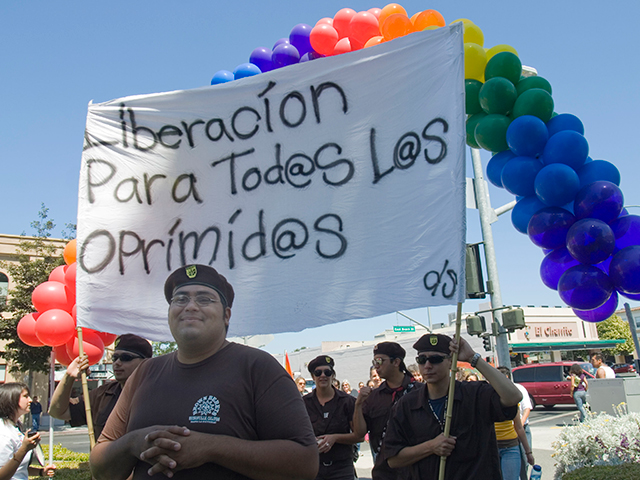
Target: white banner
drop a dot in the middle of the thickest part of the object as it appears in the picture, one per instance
(324, 191)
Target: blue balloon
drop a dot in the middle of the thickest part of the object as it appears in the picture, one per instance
(626, 229)
(602, 200)
(519, 174)
(522, 212)
(222, 76)
(596, 170)
(590, 241)
(629, 296)
(601, 313)
(566, 147)
(261, 58)
(527, 135)
(299, 38)
(285, 54)
(625, 270)
(245, 70)
(548, 227)
(554, 265)
(565, 121)
(495, 166)
(557, 184)
(585, 287)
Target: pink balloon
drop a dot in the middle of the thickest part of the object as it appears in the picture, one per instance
(51, 295)
(55, 327)
(343, 46)
(57, 274)
(92, 345)
(326, 20)
(375, 11)
(27, 330)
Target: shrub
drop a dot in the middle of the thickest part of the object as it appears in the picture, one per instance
(626, 471)
(71, 465)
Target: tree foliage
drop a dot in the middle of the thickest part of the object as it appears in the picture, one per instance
(36, 259)
(160, 348)
(615, 328)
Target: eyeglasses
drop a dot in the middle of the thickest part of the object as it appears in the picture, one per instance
(124, 357)
(183, 300)
(318, 373)
(433, 359)
(376, 362)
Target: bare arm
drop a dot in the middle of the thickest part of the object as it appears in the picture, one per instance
(441, 446)
(9, 469)
(522, 436)
(359, 423)
(59, 405)
(601, 373)
(327, 441)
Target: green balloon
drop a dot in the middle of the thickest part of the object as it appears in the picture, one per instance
(498, 95)
(491, 133)
(536, 102)
(533, 82)
(471, 91)
(472, 122)
(504, 64)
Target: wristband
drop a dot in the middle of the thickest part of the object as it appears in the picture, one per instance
(41, 472)
(474, 360)
(528, 453)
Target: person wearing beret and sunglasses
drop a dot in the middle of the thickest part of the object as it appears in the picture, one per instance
(415, 440)
(211, 409)
(129, 352)
(331, 414)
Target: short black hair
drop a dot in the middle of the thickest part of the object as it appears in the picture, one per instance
(10, 398)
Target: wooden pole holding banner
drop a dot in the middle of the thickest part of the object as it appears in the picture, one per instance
(52, 387)
(85, 393)
(452, 387)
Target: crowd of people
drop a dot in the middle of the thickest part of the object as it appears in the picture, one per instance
(216, 409)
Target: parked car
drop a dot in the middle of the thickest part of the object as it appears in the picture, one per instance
(623, 368)
(547, 383)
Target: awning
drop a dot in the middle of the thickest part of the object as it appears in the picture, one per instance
(557, 346)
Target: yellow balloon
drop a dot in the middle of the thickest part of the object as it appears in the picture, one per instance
(500, 48)
(432, 27)
(463, 20)
(473, 34)
(475, 59)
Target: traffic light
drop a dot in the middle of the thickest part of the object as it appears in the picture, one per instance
(486, 343)
(475, 325)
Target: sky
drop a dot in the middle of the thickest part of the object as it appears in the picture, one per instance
(58, 56)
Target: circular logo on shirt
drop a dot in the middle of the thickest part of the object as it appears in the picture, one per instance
(205, 410)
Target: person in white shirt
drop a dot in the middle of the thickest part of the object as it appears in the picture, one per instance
(603, 370)
(525, 409)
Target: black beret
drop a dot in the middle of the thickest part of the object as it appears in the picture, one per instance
(433, 342)
(199, 275)
(319, 361)
(391, 349)
(134, 344)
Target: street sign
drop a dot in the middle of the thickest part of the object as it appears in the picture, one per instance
(410, 328)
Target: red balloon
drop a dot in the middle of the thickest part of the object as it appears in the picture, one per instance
(70, 278)
(27, 330)
(51, 295)
(323, 38)
(92, 346)
(341, 21)
(375, 11)
(327, 20)
(62, 357)
(363, 26)
(74, 314)
(107, 338)
(343, 46)
(55, 327)
(57, 274)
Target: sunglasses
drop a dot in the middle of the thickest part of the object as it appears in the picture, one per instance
(319, 373)
(376, 362)
(433, 359)
(124, 357)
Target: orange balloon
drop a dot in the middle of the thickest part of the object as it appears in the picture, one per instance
(70, 252)
(373, 41)
(396, 25)
(391, 9)
(414, 16)
(428, 18)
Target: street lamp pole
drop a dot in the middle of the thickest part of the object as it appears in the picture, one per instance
(487, 214)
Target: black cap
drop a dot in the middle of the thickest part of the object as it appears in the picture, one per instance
(134, 344)
(433, 342)
(391, 349)
(319, 361)
(199, 275)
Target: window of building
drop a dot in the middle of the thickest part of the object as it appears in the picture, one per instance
(3, 373)
(4, 288)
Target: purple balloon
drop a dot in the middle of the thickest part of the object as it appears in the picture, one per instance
(307, 57)
(280, 42)
(519, 174)
(629, 296)
(554, 265)
(601, 200)
(495, 166)
(584, 287)
(590, 241)
(566, 147)
(285, 54)
(601, 313)
(299, 38)
(556, 184)
(626, 230)
(527, 135)
(625, 270)
(548, 228)
(524, 210)
(261, 58)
